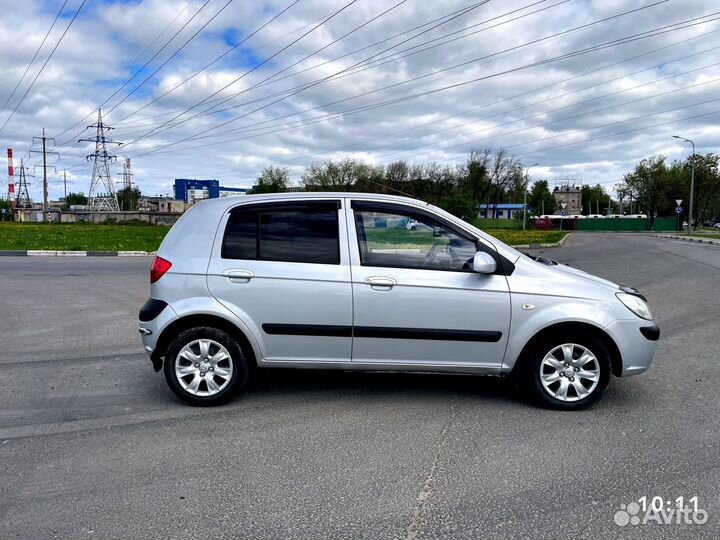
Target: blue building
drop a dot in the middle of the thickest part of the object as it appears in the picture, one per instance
(501, 211)
(190, 190)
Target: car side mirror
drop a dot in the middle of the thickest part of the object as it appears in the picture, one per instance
(483, 263)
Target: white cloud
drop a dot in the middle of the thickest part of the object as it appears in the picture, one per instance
(512, 110)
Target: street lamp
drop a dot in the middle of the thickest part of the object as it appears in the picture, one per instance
(692, 181)
(527, 179)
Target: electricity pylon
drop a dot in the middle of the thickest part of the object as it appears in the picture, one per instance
(102, 197)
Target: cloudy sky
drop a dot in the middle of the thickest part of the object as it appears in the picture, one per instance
(582, 88)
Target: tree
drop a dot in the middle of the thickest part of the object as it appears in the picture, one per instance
(505, 173)
(651, 183)
(75, 199)
(330, 175)
(475, 181)
(707, 185)
(128, 199)
(272, 180)
(540, 198)
(459, 205)
(595, 199)
(5, 210)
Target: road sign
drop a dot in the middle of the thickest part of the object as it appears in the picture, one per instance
(563, 213)
(678, 201)
(678, 210)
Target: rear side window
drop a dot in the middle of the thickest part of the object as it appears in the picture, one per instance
(290, 233)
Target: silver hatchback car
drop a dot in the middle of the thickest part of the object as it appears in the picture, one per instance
(340, 281)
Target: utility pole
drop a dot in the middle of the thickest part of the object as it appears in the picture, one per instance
(692, 182)
(527, 179)
(44, 152)
(65, 184)
(102, 196)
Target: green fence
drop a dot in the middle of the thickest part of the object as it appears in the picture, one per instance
(625, 224)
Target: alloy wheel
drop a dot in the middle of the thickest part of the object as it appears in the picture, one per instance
(570, 372)
(203, 367)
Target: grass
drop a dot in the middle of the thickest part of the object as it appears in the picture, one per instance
(515, 238)
(100, 237)
(80, 237)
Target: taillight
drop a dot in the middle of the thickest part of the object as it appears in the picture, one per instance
(158, 269)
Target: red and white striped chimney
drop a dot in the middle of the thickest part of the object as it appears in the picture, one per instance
(11, 178)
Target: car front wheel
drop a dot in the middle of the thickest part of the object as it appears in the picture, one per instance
(569, 374)
(205, 366)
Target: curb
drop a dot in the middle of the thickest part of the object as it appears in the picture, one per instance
(537, 246)
(50, 253)
(690, 239)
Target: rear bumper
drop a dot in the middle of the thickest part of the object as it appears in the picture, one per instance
(637, 341)
(151, 329)
(151, 309)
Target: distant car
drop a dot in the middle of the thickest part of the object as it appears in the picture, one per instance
(318, 280)
(717, 225)
(411, 225)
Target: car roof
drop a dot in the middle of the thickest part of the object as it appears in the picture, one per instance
(224, 203)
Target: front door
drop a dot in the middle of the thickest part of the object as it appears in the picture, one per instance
(416, 299)
(280, 267)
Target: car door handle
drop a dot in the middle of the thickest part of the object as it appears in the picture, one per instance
(381, 283)
(238, 276)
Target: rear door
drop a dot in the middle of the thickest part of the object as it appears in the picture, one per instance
(416, 299)
(282, 269)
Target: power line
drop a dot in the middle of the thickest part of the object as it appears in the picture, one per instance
(195, 74)
(307, 56)
(580, 115)
(478, 60)
(633, 119)
(133, 62)
(43, 66)
(34, 57)
(335, 13)
(525, 93)
(594, 48)
(449, 16)
(319, 81)
(522, 94)
(379, 60)
(137, 72)
(170, 57)
(562, 108)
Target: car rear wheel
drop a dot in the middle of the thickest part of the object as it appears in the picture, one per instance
(205, 366)
(570, 372)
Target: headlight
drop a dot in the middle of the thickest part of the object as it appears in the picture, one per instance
(635, 304)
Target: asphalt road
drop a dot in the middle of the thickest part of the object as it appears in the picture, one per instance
(94, 445)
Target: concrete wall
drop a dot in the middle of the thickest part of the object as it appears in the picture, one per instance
(69, 216)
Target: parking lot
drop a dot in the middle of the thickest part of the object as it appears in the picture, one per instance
(94, 444)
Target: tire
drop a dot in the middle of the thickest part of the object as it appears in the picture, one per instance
(215, 365)
(559, 382)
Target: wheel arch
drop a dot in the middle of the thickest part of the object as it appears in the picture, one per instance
(563, 328)
(194, 321)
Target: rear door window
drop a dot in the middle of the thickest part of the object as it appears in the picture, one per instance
(305, 233)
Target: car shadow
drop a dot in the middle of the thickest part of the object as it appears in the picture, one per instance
(329, 383)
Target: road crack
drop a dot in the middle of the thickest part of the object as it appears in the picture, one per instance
(415, 527)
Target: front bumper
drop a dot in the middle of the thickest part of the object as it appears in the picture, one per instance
(637, 340)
